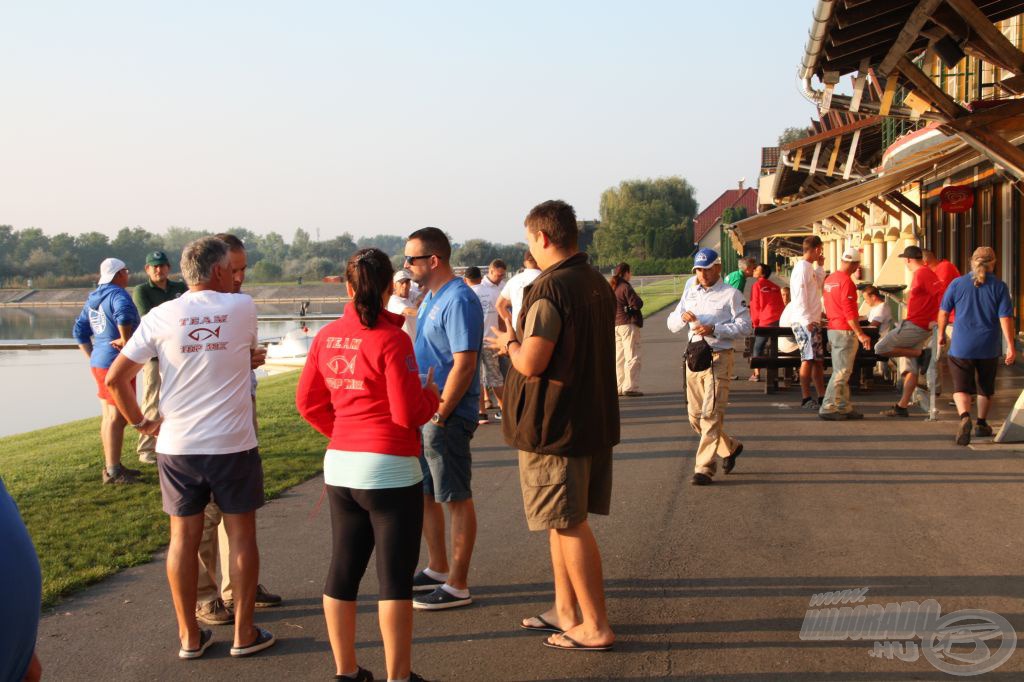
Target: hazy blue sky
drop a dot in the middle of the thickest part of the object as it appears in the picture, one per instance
(380, 117)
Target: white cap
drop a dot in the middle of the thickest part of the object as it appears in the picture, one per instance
(851, 255)
(109, 269)
(401, 276)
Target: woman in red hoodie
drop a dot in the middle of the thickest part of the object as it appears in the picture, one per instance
(765, 308)
(361, 388)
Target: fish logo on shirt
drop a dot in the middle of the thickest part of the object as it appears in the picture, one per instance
(203, 333)
(98, 321)
(340, 364)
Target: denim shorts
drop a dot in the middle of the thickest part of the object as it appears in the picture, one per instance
(447, 461)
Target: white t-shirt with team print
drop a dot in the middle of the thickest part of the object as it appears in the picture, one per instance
(203, 342)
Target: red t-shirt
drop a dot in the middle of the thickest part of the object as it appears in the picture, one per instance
(925, 296)
(840, 301)
(361, 387)
(765, 303)
(946, 272)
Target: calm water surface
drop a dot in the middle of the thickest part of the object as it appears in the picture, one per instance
(48, 387)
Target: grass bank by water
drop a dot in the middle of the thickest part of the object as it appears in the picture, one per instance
(85, 531)
(660, 294)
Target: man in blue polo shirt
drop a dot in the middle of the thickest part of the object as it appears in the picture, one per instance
(449, 337)
(983, 310)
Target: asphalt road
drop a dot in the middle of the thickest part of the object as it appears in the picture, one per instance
(703, 583)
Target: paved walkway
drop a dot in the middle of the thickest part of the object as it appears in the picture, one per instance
(703, 583)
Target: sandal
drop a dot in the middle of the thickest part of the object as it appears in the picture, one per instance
(205, 640)
(544, 627)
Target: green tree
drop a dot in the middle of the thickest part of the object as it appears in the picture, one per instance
(642, 219)
(302, 245)
(266, 271)
(794, 133)
(273, 248)
(91, 248)
(390, 244)
(175, 239)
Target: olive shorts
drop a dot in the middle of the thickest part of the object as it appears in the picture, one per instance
(559, 491)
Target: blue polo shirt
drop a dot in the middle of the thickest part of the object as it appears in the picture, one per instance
(20, 591)
(451, 321)
(976, 333)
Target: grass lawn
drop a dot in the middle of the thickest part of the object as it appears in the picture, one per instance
(85, 531)
(659, 295)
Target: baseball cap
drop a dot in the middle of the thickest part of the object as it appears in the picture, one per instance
(109, 269)
(705, 258)
(157, 258)
(851, 255)
(401, 276)
(913, 252)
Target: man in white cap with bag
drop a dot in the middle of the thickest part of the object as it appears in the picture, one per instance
(401, 302)
(844, 335)
(714, 315)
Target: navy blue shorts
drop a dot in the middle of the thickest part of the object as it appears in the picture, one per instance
(447, 461)
(234, 481)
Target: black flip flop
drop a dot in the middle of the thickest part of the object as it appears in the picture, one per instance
(576, 646)
(547, 627)
(205, 640)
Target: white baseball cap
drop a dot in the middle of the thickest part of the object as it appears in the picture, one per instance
(401, 276)
(109, 269)
(851, 255)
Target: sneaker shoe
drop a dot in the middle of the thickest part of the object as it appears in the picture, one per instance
(729, 463)
(482, 419)
(205, 640)
(497, 418)
(147, 457)
(439, 599)
(264, 640)
(413, 677)
(963, 433)
(982, 430)
(123, 477)
(701, 479)
(895, 411)
(854, 414)
(833, 416)
(131, 472)
(215, 612)
(421, 582)
(810, 404)
(753, 378)
(264, 599)
(362, 675)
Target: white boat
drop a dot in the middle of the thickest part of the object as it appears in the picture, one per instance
(292, 349)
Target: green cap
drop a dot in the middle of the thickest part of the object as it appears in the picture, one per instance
(157, 258)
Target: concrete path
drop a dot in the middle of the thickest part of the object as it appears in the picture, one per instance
(703, 583)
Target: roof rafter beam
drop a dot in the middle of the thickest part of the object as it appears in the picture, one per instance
(989, 34)
(927, 88)
(908, 35)
(904, 203)
(884, 205)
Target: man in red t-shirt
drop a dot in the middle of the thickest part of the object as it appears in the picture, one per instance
(765, 308)
(943, 269)
(844, 333)
(908, 340)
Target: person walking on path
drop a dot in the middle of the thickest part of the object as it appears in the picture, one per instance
(215, 599)
(102, 329)
(844, 335)
(629, 319)
(510, 302)
(983, 309)
(563, 373)
(805, 283)
(449, 336)
(360, 387)
(737, 279)
(908, 339)
(766, 308)
(155, 290)
(714, 315)
(206, 444)
(401, 303)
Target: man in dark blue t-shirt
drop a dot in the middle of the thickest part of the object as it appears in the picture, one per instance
(983, 309)
(20, 595)
(449, 337)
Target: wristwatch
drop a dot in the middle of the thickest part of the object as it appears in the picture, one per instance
(135, 426)
(436, 420)
(508, 351)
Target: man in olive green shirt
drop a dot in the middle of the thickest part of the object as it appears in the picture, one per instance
(155, 290)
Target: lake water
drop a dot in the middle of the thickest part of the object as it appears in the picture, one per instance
(40, 388)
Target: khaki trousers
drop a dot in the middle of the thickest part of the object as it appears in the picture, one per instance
(627, 357)
(213, 547)
(707, 394)
(150, 404)
(844, 355)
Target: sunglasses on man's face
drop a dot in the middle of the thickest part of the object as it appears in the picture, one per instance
(409, 260)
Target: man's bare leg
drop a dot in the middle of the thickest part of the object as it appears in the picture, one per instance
(182, 571)
(583, 565)
(909, 385)
(433, 533)
(564, 613)
(984, 402)
(112, 434)
(819, 377)
(244, 569)
(463, 515)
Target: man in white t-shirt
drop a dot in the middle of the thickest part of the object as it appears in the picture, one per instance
(879, 314)
(510, 301)
(488, 290)
(401, 302)
(805, 285)
(206, 442)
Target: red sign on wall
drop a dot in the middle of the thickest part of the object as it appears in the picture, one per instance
(957, 198)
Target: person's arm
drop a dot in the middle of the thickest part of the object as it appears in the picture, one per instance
(119, 383)
(755, 306)
(504, 308)
(82, 332)
(675, 320)
(126, 316)
(312, 397)
(1011, 349)
(634, 299)
(739, 325)
(458, 382)
(411, 404)
(947, 304)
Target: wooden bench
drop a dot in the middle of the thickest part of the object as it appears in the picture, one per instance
(774, 360)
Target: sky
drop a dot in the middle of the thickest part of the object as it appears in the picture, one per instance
(383, 117)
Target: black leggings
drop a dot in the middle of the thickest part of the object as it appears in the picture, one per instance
(391, 519)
